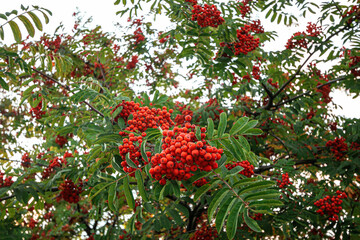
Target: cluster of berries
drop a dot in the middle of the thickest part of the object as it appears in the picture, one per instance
(51, 44)
(205, 231)
(128, 107)
(7, 182)
(184, 111)
(244, 8)
(354, 12)
(338, 148)
(25, 160)
(354, 66)
(213, 108)
(311, 114)
(132, 64)
(248, 170)
(36, 111)
(275, 85)
(32, 223)
(131, 146)
(207, 16)
(325, 91)
(331, 205)
(192, 2)
(200, 182)
(311, 31)
(138, 36)
(69, 191)
(284, 181)
(145, 117)
(245, 41)
(164, 39)
(183, 154)
(54, 163)
(61, 140)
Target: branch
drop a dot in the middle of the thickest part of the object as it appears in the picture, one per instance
(54, 189)
(341, 78)
(265, 168)
(270, 103)
(67, 88)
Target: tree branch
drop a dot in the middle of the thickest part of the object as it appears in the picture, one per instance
(67, 88)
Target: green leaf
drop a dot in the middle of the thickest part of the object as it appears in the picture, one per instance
(267, 203)
(234, 171)
(203, 189)
(16, 31)
(129, 161)
(142, 150)
(198, 133)
(1, 33)
(29, 27)
(128, 194)
(140, 184)
(232, 220)
(37, 21)
(248, 126)
(238, 125)
(252, 224)
(223, 211)
(112, 196)
(210, 128)
(220, 195)
(3, 16)
(222, 124)
(262, 195)
(257, 185)
(175, 215)
(115, 165)
(3, 84)
(98, 189)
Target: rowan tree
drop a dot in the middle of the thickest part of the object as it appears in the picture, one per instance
(123, 148)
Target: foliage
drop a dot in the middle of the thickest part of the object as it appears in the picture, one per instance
(251, 151)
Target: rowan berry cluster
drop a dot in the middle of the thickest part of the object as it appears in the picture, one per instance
(205, 231)
(145, 117)
(138, 36)
(32, 223)
(200, 182)
(183, 154)
(244, 8)
(51, 44)
(333, 126)
(285, 181)
(25, 160)
(245, 41)
(184, 111)
(331, 205)
(354, 12)
(257, 216)
(128, 107)
(256, 27)
(248, 170)
(354, 66)
(207, 16)
(325, 91)
(164, 39)
(338, 147)
(275, 85)
(7, 182)
(131, 146)
(36, 111)
(311, 31)
(212, 106)
(132, 64)
(54, 163)
(69, 191)
(193, 2)
(61, 140)
(311, 114)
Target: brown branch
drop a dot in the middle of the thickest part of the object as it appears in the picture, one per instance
(266, 168)
(308, 92)
(67, 88)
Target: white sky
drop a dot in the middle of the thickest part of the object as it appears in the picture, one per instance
(104, 14)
